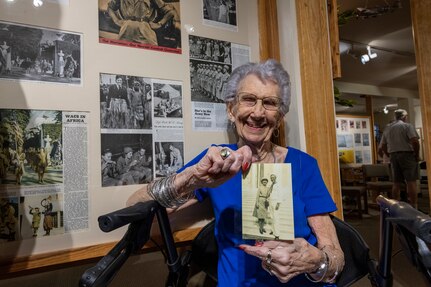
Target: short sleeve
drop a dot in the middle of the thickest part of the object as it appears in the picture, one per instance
(315, 195)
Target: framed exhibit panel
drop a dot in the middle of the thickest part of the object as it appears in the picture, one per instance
(354, 140)
(150, 118)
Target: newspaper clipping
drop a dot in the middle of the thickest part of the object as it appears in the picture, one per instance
(211, 63)
(36, 54)
(142, 129)
(267, 204)
(43, 173)
(150, 24)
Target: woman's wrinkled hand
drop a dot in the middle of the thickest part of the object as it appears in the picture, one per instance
(286, 259)
(215, 167)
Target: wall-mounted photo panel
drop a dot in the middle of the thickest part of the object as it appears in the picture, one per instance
(354, 140)
(43, 173)
(40, 54)
(150, 24)
(211, 63)
(168, 157)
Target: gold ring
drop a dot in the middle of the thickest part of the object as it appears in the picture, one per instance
(224, 153)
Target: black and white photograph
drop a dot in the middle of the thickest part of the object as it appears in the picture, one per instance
(267, 205)
(168, 100)
(31, 151)
(125, 102)
(126, 159)
(169, 157)
(40, 54)
(220, 13)
(151, 24)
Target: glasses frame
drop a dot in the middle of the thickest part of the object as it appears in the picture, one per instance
(238, 98)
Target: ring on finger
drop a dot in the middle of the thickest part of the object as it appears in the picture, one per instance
(224, 153)
(269, 257)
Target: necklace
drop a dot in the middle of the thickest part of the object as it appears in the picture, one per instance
(260, 158)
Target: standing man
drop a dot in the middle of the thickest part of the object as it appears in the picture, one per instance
(400, 141)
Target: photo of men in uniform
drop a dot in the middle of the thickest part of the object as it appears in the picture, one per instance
(126, 159)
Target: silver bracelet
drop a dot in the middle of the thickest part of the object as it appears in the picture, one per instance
(165, 193)
(322, 270)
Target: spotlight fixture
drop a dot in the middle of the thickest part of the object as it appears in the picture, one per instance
(365, 58)
(37, 3)
(385, 110)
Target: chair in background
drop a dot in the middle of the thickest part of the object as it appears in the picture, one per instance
(377, 179)
(353, 191)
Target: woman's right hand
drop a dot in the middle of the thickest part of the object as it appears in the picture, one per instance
(212, 170)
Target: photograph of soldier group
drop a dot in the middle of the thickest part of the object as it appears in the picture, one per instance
(210, 68)
(30, 147)
(126, 159)
(125, 102)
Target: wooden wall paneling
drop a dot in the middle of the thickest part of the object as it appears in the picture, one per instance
(421, 22)
(334, 38)
(269, 45)
(317, 92)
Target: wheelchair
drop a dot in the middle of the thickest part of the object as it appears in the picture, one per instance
(413, 229)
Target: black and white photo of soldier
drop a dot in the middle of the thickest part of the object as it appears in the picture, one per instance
(167, 101)
(126, 159)
(208, 81)
(222, 11)
(125, 102)
(169, 157)
(36, 54)
(148, 24)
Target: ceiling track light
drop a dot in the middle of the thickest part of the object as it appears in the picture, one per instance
(365, 58)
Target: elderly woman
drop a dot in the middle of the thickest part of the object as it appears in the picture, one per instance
(257, 98)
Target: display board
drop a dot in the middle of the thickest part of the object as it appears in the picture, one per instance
(74, 56)
(354, 140)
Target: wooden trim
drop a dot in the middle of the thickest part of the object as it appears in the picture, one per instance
(66, 258)
(269, 45)
(421, 22)
(317, 92)
(334, 38)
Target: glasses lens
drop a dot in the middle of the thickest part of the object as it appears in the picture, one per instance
(271, 103)
(248, 100)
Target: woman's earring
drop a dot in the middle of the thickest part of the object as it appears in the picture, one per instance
(276, 132)
(233, 126)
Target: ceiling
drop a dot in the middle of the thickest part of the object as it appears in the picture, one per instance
(390, 36)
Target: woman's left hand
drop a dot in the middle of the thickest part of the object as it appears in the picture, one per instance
(286, 259)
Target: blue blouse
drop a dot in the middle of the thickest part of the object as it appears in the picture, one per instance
(310, 197)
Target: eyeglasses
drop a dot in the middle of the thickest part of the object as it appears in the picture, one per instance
(250, 100)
